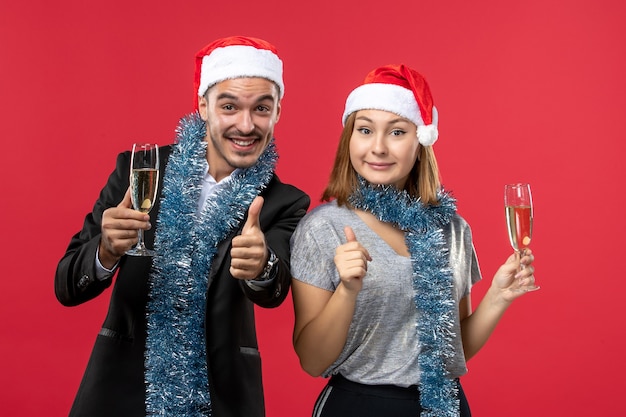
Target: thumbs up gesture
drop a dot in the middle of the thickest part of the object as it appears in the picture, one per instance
(351, 261)
(248, 250)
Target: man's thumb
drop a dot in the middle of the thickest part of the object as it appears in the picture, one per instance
(254, 211)
(126, 201)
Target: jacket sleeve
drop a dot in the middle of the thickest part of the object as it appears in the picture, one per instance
(283, 208)
(75, 281)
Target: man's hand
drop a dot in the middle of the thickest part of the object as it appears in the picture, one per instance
(119, 230)
(249, 252)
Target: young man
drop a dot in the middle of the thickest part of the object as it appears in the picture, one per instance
(179, 337)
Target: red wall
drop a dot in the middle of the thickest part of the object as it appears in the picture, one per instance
(527, 91)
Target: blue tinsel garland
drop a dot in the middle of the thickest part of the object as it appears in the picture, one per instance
(432, 283)
(185, 243)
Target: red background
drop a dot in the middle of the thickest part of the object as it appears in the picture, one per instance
(527, 91)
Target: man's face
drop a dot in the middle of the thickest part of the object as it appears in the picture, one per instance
(240, 115)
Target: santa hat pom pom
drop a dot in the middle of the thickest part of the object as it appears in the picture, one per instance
(427, 135)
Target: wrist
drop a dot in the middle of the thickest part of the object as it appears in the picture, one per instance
(106, 258)
(270, 268)
(348, 294)
(497, 297)
(267, 275)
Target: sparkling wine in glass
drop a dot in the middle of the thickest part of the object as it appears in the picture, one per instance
(518, 204)
(144, 180)
(519, 215)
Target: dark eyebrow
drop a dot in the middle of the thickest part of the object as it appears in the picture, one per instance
(228, 96)
(266, 97)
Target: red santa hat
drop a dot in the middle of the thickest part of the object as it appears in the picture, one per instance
(400, 90)
(237, 57)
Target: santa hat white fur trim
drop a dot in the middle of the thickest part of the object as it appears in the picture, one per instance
(395, 99)
(237, 61)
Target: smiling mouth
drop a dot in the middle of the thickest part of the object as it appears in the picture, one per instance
(378, 165)
(243, 143)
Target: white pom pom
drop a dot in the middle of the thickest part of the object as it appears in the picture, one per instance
(427, 135)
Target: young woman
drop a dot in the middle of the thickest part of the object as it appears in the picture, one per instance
(383, 271)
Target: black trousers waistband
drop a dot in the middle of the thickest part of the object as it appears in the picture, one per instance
(388, 391)
(344, 398)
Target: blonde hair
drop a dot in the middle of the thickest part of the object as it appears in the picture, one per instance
(423, 181)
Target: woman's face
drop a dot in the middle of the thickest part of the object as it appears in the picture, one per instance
(383, 147)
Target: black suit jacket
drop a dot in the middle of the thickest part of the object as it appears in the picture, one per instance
(113, 383)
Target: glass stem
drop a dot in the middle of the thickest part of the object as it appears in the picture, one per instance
(140, 244)
(521, 253)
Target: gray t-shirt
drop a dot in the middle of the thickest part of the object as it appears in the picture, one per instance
(382, 344)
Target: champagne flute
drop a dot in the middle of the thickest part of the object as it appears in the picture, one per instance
(144, 179)
(518, 205)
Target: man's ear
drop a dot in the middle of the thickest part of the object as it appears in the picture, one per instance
(277, 112)
(202, 107)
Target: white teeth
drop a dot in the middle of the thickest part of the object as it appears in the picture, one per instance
(242, 142)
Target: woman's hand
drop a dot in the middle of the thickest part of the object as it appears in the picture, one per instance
(516, 277)
(351, 261)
